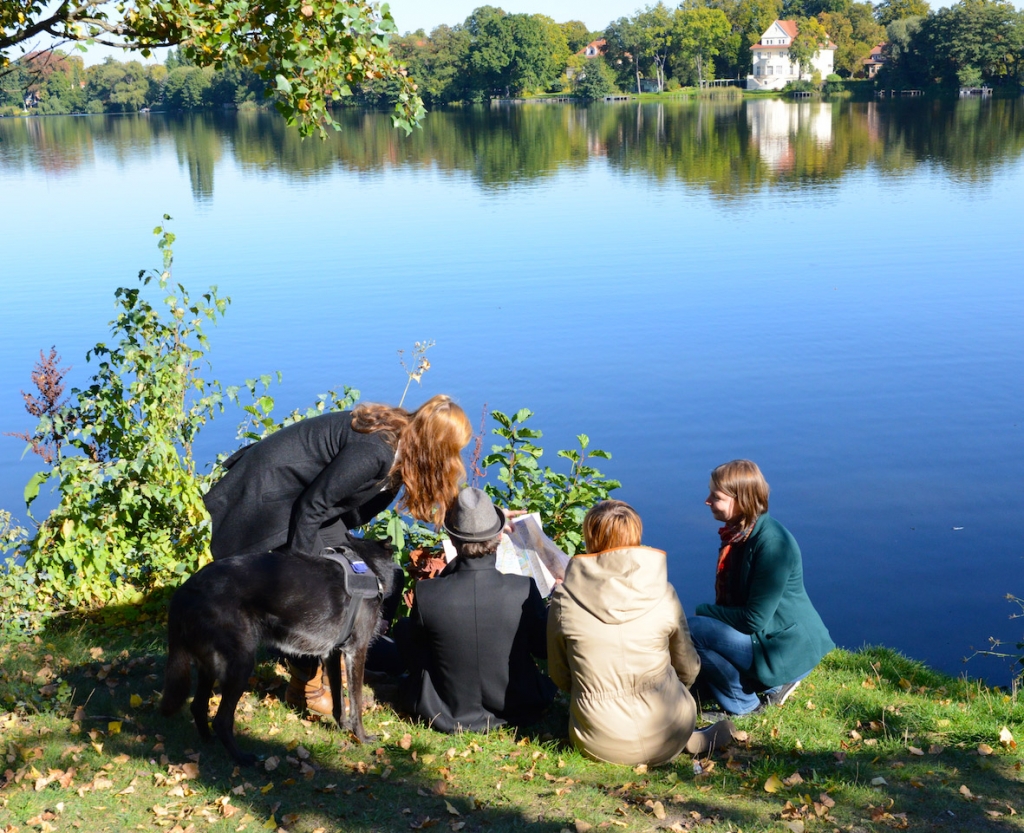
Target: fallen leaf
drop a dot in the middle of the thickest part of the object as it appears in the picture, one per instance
(582, 826)
(659, 810)
(966, 793)
(114, 727)
(451, 810)
(271, 763)
(985, 749)
(406, 741)
(913, 750)
(935, 749)
(793, 780)
(773, 784)
(796, 826)
(1006, 739)
(879, 782)
(135, 700)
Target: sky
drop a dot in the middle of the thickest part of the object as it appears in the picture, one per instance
(411, 15)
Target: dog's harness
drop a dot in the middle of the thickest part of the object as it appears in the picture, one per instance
(361, 584)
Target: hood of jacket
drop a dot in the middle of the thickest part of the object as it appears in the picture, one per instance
(617, 586)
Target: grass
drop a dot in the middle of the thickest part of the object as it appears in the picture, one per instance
(871, 741)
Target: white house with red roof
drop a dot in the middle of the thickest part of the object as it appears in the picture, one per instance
(772, 66)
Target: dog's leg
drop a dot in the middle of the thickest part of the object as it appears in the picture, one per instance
(232, 687)
(332, 666)
(200, 707)
(355, 666)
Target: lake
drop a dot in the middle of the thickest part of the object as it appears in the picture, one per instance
(834, 290)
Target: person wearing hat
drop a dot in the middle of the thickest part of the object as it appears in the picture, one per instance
(473, 630)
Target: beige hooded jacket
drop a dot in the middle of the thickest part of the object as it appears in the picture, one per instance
(619, 644)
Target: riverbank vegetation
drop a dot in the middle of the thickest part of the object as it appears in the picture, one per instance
(493, 54)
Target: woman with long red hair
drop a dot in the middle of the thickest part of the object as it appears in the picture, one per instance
(303, 488)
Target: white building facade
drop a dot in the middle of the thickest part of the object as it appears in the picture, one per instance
(772, 66)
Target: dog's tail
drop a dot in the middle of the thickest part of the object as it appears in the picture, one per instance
(178, 673)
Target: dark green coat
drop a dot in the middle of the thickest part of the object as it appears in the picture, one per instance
(788, 636)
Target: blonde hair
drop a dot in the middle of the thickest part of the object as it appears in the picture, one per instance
(429, 464)
(743, 482)
(611, 524)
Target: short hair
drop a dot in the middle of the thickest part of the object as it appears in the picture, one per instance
(611, 524)
(743, 482)
(476, 549)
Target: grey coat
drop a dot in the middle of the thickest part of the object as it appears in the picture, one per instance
(280, 492)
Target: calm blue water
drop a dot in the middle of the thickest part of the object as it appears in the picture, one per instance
(833, 291)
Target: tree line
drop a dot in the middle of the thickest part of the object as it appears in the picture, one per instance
(55, 83)
(494, 54)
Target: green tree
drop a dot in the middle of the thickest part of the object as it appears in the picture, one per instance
(640, 45)
(593, 80)
(700, 34)
(310, 53)
(854, 33)
(188, 88)
(811, 37)
(576, 35)
(889, 11)
(906, 65)
(509, 53)
(986, 36)
(121, 87)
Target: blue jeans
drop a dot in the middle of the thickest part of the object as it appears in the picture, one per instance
(726, 664)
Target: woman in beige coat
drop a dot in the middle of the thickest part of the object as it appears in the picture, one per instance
(619, 644)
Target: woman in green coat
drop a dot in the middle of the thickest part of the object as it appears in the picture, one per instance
(762, 634)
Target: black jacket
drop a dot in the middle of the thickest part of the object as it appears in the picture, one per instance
(279, 492)
(473, 630)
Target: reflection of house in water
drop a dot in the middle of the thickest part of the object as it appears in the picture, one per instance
(775, 124)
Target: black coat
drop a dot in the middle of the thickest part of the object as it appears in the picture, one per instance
(473, 630)
(280, 492)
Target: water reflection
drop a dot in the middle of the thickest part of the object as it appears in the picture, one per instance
(726, 147)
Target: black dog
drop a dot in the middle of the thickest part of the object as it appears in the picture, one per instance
(298, 604)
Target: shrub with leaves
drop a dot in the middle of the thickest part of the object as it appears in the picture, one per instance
(562, 499)
(130, 517)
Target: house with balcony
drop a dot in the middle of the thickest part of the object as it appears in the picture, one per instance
(772, 66)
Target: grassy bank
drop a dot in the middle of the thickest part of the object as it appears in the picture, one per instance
(871, 741)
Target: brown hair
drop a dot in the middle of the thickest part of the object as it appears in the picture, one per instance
(476, 549)
(429, 463)
(743, 482)
(611, 524)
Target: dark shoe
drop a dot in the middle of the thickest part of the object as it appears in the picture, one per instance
(778, 696)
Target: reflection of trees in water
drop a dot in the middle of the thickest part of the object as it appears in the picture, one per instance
(727, 147)
(199, 144)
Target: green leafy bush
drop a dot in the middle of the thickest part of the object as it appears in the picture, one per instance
(562, 499)
(800, 86)
(833, 84)
(130, 517)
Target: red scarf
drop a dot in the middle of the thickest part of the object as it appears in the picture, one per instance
(723, 576)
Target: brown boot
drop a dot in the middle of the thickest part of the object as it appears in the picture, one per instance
(307, 689)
